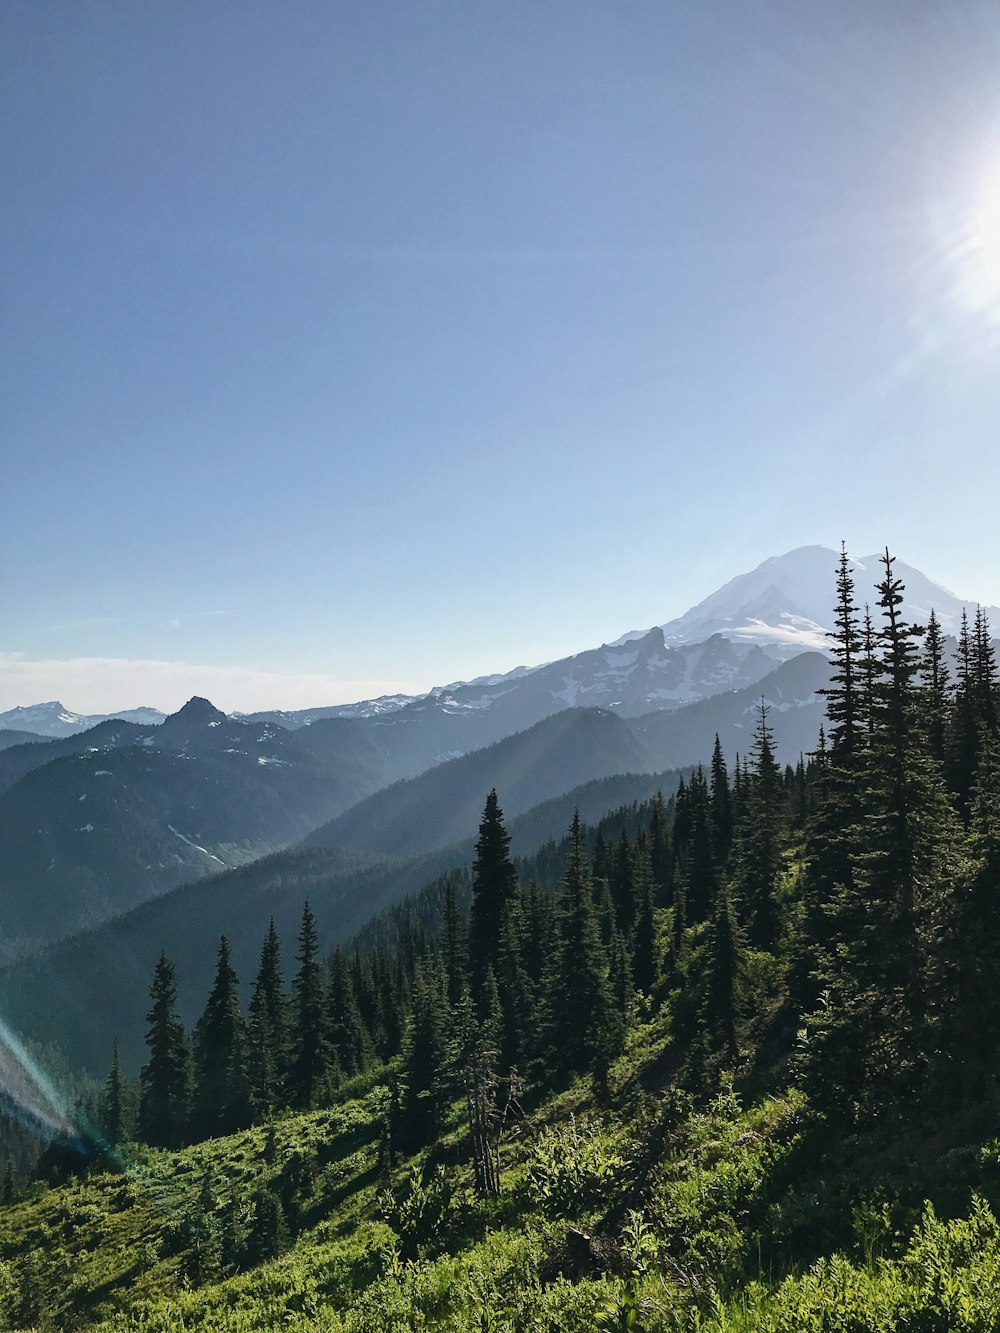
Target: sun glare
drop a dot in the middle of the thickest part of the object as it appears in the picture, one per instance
(976, 255)
(985, 245)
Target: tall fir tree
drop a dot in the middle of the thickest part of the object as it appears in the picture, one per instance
(425, 1059)
(164, 1080)
(310, 1046)
(348, 1039)
(873, 1032)
(935, 683)
(221, 1103)
(758, 857)
(582, 1011)
(720, 806)
(113, 1101)
(720, 1007)
(267, 1035)
(494, 886)
(844, 693)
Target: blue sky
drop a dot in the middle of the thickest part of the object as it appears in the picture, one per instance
(353, 347)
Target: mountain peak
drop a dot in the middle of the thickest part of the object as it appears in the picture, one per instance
(198, 711)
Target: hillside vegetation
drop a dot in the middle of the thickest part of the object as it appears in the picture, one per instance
(737, 1073)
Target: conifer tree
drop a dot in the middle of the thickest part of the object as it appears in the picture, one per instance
(643, 962)
(758, 856)
(871, 1036)
(984, 673)
(844, 693)
(456, 944)
(9, 1193)
(164, 1081)
(621, 883)
(966, 962)
(720, 806)
(425, 1059)
(517, 1010)
(582, 1009)
(698, 869)
(112, 1102)
(494, 886)
(310, 1062)
(221, 1093)
(832, 826)
(660, 857)
(721, 1001)
(267, 1237)
(935, 681)
(537, 943)
(267, 1037)
(348, 1038)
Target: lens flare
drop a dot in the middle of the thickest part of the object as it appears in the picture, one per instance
(27, 1095)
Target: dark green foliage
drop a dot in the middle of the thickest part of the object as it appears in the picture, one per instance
(267, 1031)
(310, 1060)
(873, 1035)
(760, 839)
(720, 806)
(113, 1102)
(720, 1008)
(268, 1233)
(580, 1006)
(9, 1190)
(425, 1049)
(844, 708)
(494, 885)
(222, 1099)
(164, 1081)
(349, 1041)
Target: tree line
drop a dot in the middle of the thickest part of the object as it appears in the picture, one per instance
(840, 915)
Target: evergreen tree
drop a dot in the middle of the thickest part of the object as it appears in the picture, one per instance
(9, 1183)
(514, 991)
(267, 1237)
(643, 963)
(425, 1059)
(456, 943)
(698, 868)
(267, 1038)
(721, 1001)
(310, 1063)
(164, 1081)
(112, 1102)
(843, 695)
(984, 668)
(222, 1093)
(660, 853)
(348, 1038)
(621, 883)
(761, 834)
(582, 1008)
(935, 680)
(494, 885)
(966, 962)
(720, 806)
(871, 1035)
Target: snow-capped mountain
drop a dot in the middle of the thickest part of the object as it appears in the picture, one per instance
(786, 603)
(728, 641)
(54, 720)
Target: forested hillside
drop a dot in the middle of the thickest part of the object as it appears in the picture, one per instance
(723, 1059)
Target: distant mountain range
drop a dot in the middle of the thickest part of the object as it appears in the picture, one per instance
(732, 638)
(52, 719)
(144, 830)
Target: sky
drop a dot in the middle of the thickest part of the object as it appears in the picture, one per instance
(353, 347)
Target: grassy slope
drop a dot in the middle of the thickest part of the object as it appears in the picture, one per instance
(738, 1218)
